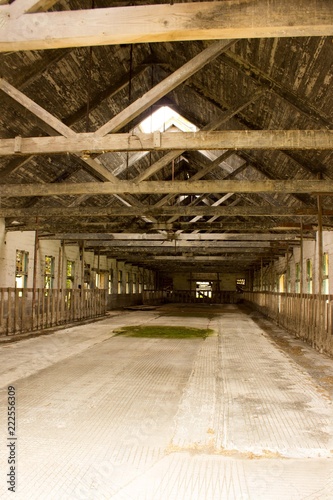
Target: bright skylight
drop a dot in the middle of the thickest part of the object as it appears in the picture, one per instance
(164, 118)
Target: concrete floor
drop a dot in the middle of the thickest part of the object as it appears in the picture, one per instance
(244, 414)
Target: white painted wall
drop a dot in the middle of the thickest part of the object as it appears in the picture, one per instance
(310, 251)
(9, 243)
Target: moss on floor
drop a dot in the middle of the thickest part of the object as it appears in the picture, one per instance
(164, 332)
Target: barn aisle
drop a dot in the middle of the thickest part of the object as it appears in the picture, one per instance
(230, 416)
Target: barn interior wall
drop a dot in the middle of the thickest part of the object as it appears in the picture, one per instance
(221, 281)
(103, 272)
(287, 265)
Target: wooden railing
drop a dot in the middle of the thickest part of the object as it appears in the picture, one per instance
(25, 310)
(154, 297)
(222, 297)
(307, 316)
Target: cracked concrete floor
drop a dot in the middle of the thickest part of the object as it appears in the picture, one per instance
(234, 416)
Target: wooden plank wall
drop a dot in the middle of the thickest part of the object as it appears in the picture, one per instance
(307, 316)
(22, 310)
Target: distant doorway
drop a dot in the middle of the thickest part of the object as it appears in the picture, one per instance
(203, 291)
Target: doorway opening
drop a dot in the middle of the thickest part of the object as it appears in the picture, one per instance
(203, 290)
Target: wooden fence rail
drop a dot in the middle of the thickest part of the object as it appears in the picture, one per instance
(307, 316)
(194, 296)
(24, 310)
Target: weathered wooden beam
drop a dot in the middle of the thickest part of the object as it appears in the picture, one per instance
(87, 143)
(203, 258)
(166, 22)
(164, 187)
(95, 169)
(34, 108)
(55, 125)
(175, 237)
(182, 211)
(61, 226)
(182, 244)
(250, 227)
(161, 89)
(136, 252)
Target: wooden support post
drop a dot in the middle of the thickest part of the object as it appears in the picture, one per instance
(61, 280)
(320, 245)
(98, 267)
(318, 333)
(82, 281)
(287, 271)
(301, 260)
(34, 284)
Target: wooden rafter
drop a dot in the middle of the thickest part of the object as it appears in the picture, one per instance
(177, 237)
(165, 22)
(181, 211)
(164, 87)
(164, 187)
(87, 143)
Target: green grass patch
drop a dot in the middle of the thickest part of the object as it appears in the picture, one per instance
(164, 332)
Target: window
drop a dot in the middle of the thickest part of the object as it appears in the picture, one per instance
(140, 282)
(70, 274)
(134, 283)
(49, 271)
(128, 282)
(21, 274)
(298, 278)
(110, 280)
(325, 284)
(282, 283)
(87, 275)
(98, 280)
(309, 275)
(120, 282)
(203, 289)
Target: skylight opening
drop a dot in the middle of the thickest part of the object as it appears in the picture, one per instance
(164, 118)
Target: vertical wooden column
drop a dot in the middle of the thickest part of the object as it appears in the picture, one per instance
(287, 271)
(61, 282)
(318, 334)
(320, 244)
(82, 312)
(98, 266)
(59, 268)
(302, 310)
(34, 282)
(114, 268)
(301, 282)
